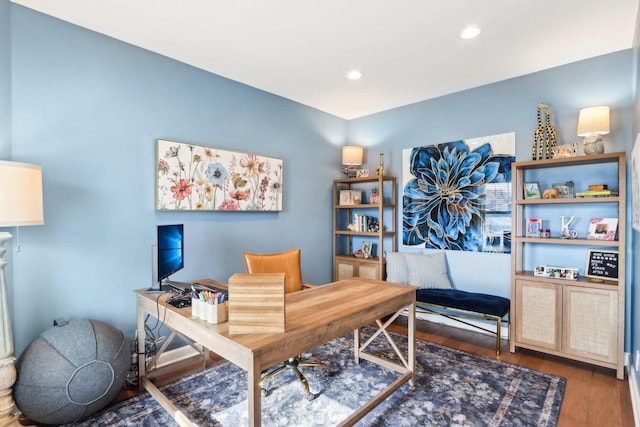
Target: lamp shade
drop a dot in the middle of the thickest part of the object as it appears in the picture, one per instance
(20, 194)
(593, 121)
(352, 155)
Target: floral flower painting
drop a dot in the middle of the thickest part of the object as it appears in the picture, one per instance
(197, 178)
(457, 195)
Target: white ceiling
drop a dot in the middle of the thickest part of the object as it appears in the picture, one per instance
(407, 50)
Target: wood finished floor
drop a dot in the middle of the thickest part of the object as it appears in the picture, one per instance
(593, 396)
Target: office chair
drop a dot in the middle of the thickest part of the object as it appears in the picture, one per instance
(287, 262)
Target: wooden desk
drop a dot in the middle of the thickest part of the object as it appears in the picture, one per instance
(336, 309)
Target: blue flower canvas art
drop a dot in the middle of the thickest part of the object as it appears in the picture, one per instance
(457, 195)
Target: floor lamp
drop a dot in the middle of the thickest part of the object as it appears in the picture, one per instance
(20, 204)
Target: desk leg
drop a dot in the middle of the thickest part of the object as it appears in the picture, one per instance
(253, 392)
(356, 345)
(141, 338)
(411, 336)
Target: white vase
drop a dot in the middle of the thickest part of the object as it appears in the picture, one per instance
(593, 147)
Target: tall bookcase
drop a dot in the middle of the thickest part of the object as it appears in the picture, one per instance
(347, 240)
(578, 319)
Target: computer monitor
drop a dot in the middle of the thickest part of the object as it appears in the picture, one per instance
(170, 250)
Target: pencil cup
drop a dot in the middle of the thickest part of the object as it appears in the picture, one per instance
(197, 308)
(216, 313)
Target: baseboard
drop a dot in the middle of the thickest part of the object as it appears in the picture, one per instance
(635, 395)
(504, 331)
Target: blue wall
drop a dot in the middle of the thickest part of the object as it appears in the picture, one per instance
(5, 80)
(5, 120)
(508, 106)
(635, 303)
(89, 108)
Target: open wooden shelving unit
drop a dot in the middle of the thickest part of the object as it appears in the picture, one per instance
(345, 264)
(578, 319)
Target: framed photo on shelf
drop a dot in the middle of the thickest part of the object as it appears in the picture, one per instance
(570, 273)
(533, 227)
(531, 190)
(366, 249)
(602, 228)
(566, 150)
(362, 173)
(565, 189)
(350, 197)
(601, 265)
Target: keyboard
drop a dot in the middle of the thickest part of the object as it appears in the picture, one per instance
(186, 288)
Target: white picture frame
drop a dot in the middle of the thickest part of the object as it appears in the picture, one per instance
(569, 273)
(350, 197)
(602, 229)
(566, 150)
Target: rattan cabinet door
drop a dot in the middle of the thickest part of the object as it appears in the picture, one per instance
(348, 269)
(590, 328)
(538, 314)
(345, 270)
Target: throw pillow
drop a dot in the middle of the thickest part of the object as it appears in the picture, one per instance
(428, 271)
(396, 268)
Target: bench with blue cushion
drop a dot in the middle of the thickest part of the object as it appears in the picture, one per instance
(455, 304)
(438, 296)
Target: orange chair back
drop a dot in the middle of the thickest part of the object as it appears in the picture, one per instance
(287, 262)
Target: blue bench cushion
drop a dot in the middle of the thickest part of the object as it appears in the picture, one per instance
(470, 301)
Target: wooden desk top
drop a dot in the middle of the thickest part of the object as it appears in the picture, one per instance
(313, 317)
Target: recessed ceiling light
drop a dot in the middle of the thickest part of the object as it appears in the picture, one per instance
(469, 33)
(354, 75)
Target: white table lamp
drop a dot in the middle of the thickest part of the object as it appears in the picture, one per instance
(20, 204)
(351, 156)
(593, 122)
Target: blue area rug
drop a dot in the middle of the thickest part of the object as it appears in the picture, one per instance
(453, 388)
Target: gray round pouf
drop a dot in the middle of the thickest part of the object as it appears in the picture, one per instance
(71, 371)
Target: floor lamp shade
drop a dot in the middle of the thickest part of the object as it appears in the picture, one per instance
(20, 204)
(20, 194)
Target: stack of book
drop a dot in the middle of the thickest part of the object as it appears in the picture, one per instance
(365, 223)
(597, 190)
(597, 193)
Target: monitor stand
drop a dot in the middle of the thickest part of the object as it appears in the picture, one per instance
(167, 286)
(156, 285)
(157, 290)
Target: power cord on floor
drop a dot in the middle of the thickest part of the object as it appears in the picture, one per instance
(150, 347)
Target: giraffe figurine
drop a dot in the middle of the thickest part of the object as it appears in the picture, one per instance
(538, 138)
(550, 133)
(380, 169)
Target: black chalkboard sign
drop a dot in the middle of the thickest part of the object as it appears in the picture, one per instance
(602, 265)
